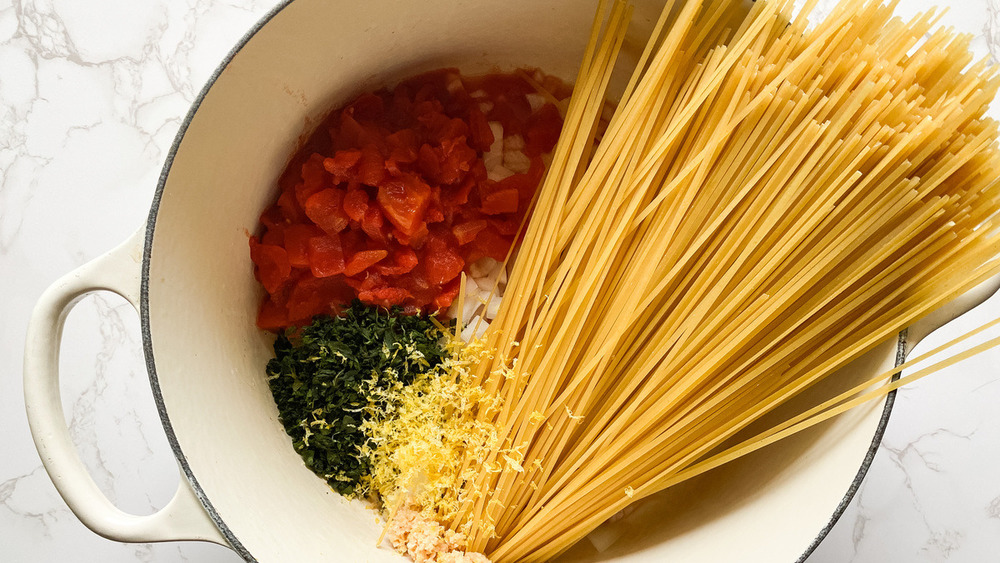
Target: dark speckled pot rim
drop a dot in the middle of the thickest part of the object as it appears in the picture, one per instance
(147, 341)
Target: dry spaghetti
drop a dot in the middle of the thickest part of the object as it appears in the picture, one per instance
(769, 201)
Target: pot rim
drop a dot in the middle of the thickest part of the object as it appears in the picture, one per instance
(147, 341)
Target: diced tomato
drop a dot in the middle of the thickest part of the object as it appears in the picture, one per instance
(275, 234)
(326, 256)
(466, 232)
(372, 223)
(314, 178)
(356, 203)
(508, 225)
(304, 303)
(456, 159)
(453, 128)
(371, 168)
(368, 107)
(478, 172)
(525, 184)
(369, 282)
(438, 239)
(390, 199)
(416, 283)
(353, 241)
(558, 88)
(402, 102)
(363, 260)
(351, 133)
(342, 164)
(385, 296)
(501, 201)
(317, 296)
(443, 266)
(448, 294)
(543, 130)
(429, 162)
(394, 168)
(392, 295)
(403, 145)
(297, 243)
(427, 93)
(271, 316)
(406, 260)
(273, 268)
(271, 217)
(448, 162)
(326, 209)
(434, 215)
(430, 115)
(416, 240)
(492, 244)
(453, 198)
(503, 84)
(512, 112)
(313, 173)
(304, 191)
(404, 202)
(403, 260)
(289, 207)
(536, 172)
(479, 130)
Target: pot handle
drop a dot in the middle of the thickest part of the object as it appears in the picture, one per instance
(184, 517)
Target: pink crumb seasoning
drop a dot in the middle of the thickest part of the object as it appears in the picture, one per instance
(427, 541)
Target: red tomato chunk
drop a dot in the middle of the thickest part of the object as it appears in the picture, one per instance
(392, 197)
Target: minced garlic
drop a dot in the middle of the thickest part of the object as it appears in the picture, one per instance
(426, 541)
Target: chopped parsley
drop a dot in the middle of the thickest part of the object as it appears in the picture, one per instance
(335, 375)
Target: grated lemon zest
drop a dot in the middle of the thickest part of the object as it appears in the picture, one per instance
(434, 425)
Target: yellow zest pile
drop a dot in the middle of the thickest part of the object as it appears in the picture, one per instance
(437, 420)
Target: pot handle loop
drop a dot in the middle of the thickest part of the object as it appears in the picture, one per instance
(184, 517)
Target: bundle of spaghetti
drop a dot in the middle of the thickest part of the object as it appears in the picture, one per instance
(770, 200)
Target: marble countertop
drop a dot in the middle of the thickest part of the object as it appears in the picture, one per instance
(92, 93)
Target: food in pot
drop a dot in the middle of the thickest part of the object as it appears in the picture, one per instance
(769, 201)
(401, 190)
(339, 375)
(400, 201)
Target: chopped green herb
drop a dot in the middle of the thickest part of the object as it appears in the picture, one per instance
(335, 374)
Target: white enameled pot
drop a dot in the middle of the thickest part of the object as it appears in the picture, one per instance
(188, 274)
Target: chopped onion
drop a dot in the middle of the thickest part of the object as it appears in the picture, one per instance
(454, 83)
(513, 143)
(470, 333)
(484, 267)
(516, 161)
(498, 173)
(493, 307)
(535, 100)
(493, 158)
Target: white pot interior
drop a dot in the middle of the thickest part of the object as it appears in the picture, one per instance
(312, 56)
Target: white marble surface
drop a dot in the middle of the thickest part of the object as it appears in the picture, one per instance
(91, 95)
